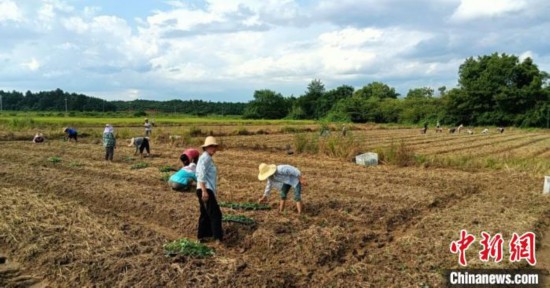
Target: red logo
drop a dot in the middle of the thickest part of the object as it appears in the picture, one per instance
(523, 247)
(492, 247)
(462, 245)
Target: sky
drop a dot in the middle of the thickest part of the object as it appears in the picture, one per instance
(224, 50)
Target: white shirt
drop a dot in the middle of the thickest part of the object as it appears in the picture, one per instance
(285, 174)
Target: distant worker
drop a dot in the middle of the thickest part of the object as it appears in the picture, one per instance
(141, 143)
(109, 142)
(344, 130)
(459, 128)
(148, 128)
(71, 134)
(425, 129)
(282, 177)
(500, 129)
(38, 138)
(485, 131)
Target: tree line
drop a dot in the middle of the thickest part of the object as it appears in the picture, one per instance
(58, 100)
(496, 89)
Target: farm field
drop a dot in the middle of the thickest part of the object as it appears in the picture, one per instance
(80, 221)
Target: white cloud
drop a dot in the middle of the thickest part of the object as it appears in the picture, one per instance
(474, 9)
(32, 65)
(220, 49)
(9, 11)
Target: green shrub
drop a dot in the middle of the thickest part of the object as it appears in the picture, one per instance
(243, 131)
(305, 144)
(195, 131)
(140, 114)
(288, 129)
(400, 155)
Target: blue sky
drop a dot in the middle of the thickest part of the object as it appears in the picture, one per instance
(224, 50)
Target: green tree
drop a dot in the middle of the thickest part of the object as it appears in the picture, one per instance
(267, 104)
(329, 99)
(377, 89)
(496, 89)
(308, 102)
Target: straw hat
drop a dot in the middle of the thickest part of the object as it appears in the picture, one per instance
(209, 141)
(65, 129)
(266, 171)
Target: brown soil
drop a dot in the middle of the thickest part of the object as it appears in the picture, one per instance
(101, 224)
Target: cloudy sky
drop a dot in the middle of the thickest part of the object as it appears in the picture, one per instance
(224, 50)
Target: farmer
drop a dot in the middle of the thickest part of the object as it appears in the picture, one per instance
(148, 128)
(183, 179)
(210, 220)
(109, 142)
(71, 134)
(140, 143)
(282, 177)
(38, 138)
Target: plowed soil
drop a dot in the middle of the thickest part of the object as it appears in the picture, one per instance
(86, 222)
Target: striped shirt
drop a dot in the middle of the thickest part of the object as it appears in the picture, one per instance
(207, 172)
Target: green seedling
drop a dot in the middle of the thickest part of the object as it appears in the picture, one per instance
(238, 219)
(245, 206)
(139, 165)
(187, 247)
(165, 177)
(54, 159)
(166, 169)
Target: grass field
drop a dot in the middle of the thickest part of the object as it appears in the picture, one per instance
(79, 221)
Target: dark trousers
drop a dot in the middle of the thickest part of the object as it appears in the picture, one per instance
(144, 145)
(210, 220)
(109, 153)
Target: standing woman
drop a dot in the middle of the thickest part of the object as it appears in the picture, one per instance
(148, 128)
(109, 142)
(210, 220)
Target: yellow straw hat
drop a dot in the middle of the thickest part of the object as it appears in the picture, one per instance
(209, 141)
(266, 171)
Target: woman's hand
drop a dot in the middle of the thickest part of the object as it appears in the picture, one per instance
(204, 196)
(303, 181)
(263, 199)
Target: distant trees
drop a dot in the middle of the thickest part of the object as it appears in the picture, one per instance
(496, 89)
(267, 104)
(53, 101)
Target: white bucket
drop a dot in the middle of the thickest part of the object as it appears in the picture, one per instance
(367, 159)
(546, 188)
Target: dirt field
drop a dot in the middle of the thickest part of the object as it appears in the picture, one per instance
(85, 222)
